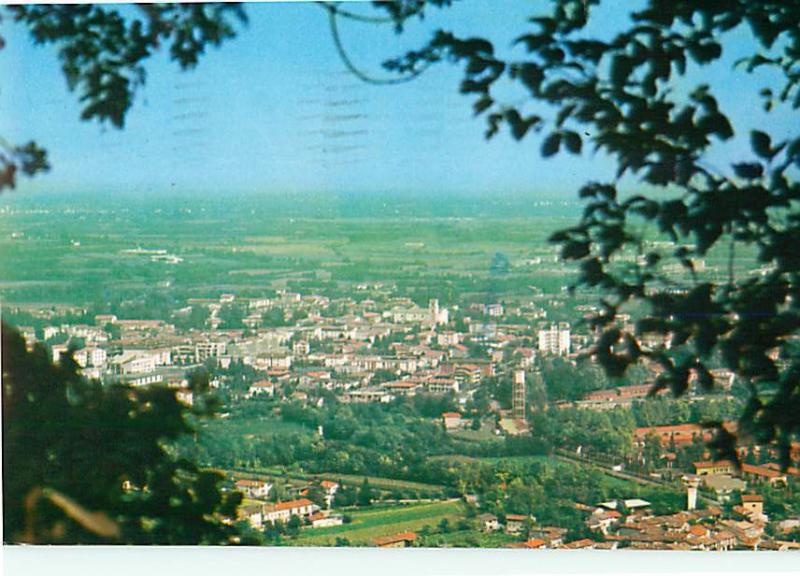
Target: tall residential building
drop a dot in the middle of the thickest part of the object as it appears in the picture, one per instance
(556, 339)
(518, 395)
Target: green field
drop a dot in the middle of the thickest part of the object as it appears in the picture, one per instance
(468, 539)
(354, 479)
(252, 428)
(370, 524)
(77, 251)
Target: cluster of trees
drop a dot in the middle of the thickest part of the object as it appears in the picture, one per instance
(608, 432)
(548, 491)
(661, 411)
(92, 463)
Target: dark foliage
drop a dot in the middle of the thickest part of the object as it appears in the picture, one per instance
(103, 48)
(617, 94)
(85, 463)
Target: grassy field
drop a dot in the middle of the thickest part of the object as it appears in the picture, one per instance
(468, 539)
(375, 481)
(370, 524)
(254, 427)
(77, 251)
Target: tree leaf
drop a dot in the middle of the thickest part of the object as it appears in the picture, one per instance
(551, 144)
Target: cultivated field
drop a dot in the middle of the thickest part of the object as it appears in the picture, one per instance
(367, 525)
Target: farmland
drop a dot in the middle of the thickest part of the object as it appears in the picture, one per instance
(77, 251)
(367, 525)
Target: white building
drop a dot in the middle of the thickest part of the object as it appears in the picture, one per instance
(133, 362)
(205, 350)
(556, 339)
(90, 357)
(283, 511)
(254, 488)
(301, 348)
(261, 388)
(449, 338)
(51, 332)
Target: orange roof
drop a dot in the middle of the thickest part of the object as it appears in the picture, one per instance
(761, 471)
(669, 429)
(451, 415)
(402, 537)
(752, 498)
(516, 517)
(328, 484)
(698, 530)
(249, 483)
(712, 464)
(290, 504)
(534, 543)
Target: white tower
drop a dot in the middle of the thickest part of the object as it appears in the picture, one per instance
(691, 482)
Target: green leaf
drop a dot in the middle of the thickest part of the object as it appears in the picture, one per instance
(551, 144)
(748, 170)
(761, 144)
(573, 142)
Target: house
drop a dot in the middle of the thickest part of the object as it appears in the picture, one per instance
(489, 522)
(330, 489)
(367, 395)
(718, 467)
(301, 348)
(760, 474)
(283, 511)
(261, 388)
(602, 520)
(251, 512)
(583, 544)
(401, 387)
(325, 520)
(532, 544)
(753, 504)
(253, 488)
(515, 523)
(553, 535)
(451, 421)
(402, 540)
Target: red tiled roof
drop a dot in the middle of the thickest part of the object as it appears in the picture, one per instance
(402, 537)
(290, 504)
(712, 464)
(698, 530)
(534, 543)
(249, 483)
(761, 471)
(752, 498)
(451, 415)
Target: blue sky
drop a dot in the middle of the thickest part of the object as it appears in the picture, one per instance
(273, 110)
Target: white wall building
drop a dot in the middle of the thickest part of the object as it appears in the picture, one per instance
(556, 339)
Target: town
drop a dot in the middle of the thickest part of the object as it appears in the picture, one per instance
(511, 438)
